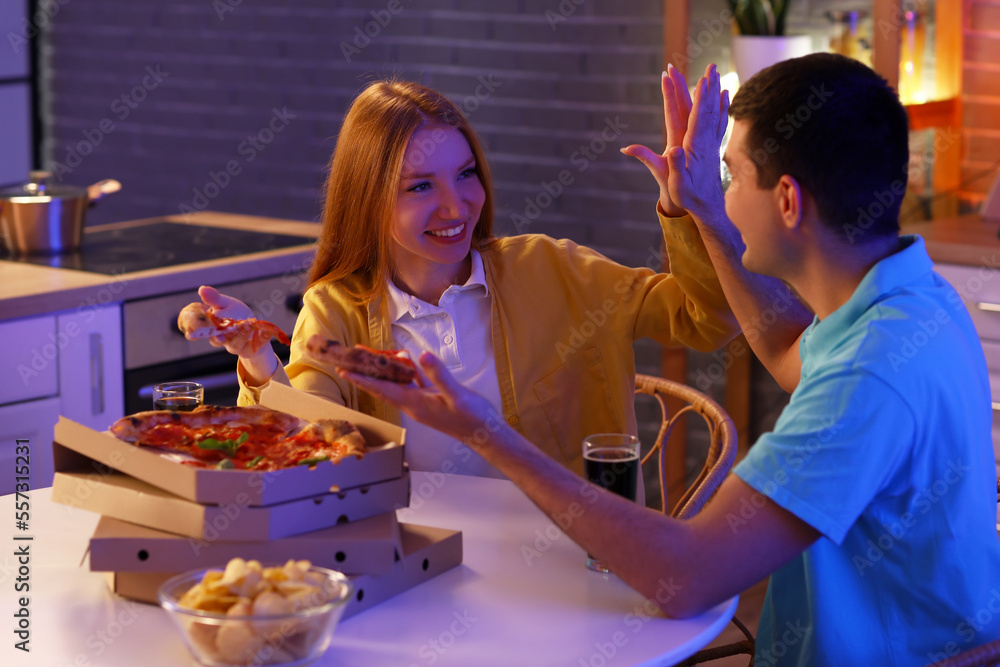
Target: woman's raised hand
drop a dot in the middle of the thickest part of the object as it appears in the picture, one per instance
(689, 169)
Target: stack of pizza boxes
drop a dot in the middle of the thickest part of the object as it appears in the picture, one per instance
(160, 517)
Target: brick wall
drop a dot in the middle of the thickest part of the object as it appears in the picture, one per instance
(981, 97)
(163, 96)
(234, 106)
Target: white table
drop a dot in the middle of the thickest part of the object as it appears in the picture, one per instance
(495, 609)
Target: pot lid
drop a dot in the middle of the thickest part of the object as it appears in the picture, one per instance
(41, 188)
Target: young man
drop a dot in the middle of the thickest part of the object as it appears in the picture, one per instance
(871, 503)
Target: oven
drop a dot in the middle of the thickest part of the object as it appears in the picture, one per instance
(156, 351)
(173, 257)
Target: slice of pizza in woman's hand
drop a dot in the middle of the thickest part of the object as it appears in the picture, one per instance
(391, 365)
(197, 320)
(242, 438)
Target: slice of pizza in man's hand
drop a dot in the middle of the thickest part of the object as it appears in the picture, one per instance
(391, 365)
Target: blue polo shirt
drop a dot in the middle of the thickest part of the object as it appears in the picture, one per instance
(885, 448)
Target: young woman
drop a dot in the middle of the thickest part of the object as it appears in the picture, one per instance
(407, 260)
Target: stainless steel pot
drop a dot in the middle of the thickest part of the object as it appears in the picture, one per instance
(40, 218)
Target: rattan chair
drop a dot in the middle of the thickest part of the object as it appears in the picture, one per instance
(721, 455)
(987, 655)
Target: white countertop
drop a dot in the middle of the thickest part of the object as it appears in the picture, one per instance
(31, 289)
(544, 610)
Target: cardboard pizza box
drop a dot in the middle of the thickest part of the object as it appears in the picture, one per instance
(428, 552)
(368, 546)
(77, 446)
(129, 499)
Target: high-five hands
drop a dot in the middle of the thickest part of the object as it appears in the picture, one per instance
(689, 169)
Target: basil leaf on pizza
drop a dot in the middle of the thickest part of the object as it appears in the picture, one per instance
(228, 446)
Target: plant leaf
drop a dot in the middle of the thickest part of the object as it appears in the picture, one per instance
(780, 14)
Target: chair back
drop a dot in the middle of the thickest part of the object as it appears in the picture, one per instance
(987, 655)
(721, 455)
(722, 441)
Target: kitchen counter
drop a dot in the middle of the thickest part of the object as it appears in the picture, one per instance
(968, 239)
(30, 289)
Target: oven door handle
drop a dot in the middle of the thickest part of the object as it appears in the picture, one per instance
(214, 381)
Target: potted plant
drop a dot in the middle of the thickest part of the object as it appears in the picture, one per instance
(759, 38)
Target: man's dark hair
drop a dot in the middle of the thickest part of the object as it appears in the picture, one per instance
(835, 126)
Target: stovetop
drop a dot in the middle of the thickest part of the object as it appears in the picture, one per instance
(161, 244)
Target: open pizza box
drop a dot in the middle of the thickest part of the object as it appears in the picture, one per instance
(427, 552)
(383, 461)
(113, 494)
(368, 546)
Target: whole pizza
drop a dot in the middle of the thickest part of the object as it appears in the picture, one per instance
(242, 438)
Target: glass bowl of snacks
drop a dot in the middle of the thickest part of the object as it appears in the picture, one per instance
(249, 614)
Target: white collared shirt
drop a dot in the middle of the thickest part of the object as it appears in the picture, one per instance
(458, 332)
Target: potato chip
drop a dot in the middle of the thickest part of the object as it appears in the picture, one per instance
(246, 589)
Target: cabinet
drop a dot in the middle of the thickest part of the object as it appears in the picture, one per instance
(980, 291)
(28, 423)
(67, 363)
(90, 365)
(28, 359)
